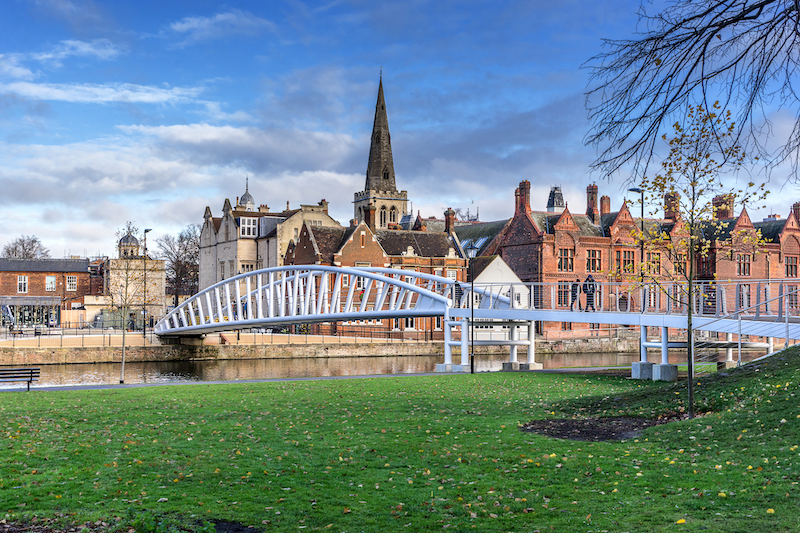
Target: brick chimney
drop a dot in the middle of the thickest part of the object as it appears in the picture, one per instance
(449, 220)
(672, 206)
(605, 205)
(723, 206)
(796, 211)
(369, 217)
(324, 204)
(523, 198)
(591, 203)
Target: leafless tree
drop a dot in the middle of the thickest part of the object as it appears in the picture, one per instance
(25, 247)
(182, 256)
(743, 53)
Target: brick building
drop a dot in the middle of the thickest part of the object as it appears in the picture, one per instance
(39, 291)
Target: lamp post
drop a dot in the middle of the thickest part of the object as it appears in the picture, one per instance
(144, 300)
(472, 251)
(641, 237)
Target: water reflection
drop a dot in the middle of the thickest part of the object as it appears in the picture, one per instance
(246, 369)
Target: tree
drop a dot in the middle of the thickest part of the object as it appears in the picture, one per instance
(131, 282)
(694, 51)
(701, 153)
(25, 247)
(182, 256)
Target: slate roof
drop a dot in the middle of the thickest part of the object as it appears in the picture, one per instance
(480, 264)
(424, 243)
(44, 265)
(771, 229)
(327, 241)
(482, 233)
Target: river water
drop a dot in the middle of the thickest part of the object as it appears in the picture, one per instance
(247, 369)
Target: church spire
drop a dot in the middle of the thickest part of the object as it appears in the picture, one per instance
(380, 168)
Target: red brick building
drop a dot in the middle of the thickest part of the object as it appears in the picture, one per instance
(36, 291)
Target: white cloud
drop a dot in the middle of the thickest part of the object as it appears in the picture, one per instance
(10, 68)
(99, 48)
(101, 93)
(234, 22)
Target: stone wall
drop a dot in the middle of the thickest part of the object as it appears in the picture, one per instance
(43, 356)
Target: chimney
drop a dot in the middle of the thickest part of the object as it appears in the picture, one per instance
(353, 222)
(773, 216)
(672, 206)
(796, 210)
(591, 203)
(369, 217)
(263, 208)
(523, 198)
(605, 205)
(723, 206)
(324, 204)
(449, 220)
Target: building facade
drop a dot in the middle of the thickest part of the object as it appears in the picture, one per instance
(40, 292)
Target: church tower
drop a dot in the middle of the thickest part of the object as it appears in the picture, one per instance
(380, 189)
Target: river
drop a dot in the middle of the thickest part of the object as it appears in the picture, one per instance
(247, 369)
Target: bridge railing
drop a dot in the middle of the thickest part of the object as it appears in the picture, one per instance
(312, 293)
(750, 298)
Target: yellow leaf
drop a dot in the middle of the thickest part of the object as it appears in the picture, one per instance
(681, 521)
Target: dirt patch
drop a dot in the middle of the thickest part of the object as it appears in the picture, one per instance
(595, 429)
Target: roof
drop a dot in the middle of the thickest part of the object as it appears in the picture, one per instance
(44, 265)
(771, 229)
(327, 240)
(482, 234)
(424, 243)
(479, 264)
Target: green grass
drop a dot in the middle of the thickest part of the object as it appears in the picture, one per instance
(408, 453)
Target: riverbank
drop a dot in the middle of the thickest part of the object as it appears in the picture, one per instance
(285, 347)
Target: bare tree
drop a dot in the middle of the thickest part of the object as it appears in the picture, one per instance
(182, 256)
(741, 52)
(25, 247)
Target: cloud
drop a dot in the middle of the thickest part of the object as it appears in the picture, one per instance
(101, 93)
(99, 48)
(10, 68)
(81, 15)
(254, 149)
(234, 22)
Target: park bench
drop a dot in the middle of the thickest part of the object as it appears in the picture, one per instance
(19, 374)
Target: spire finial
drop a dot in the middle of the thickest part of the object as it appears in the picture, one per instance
(246, 183)
(381, 72)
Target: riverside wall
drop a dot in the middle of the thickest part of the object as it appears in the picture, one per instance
(26, 356)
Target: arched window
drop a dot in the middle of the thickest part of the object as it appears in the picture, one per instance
(386, 173)
(383, 216)
(393, 215)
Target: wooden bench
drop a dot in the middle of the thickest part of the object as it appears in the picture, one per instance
(19, 374)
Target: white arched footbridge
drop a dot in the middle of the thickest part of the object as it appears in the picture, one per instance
(314, 293)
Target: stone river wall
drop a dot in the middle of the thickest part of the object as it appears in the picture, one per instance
(23, 356)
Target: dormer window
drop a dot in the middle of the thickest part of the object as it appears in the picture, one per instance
(248, 227)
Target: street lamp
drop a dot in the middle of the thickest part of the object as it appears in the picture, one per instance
(472, 251)
(144, 301)
(641, 238)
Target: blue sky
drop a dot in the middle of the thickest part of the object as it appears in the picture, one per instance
(151, 110)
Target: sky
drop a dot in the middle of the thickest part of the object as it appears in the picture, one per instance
(149, 111)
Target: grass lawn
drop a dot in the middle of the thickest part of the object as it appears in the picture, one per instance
(408, 453)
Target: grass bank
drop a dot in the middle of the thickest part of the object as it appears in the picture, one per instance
(422, 453)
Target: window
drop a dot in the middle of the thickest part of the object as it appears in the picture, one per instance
(248, 227)
(791, 266)
(247, 267)
(22, 284)
(593, 261)
(50, 283)
(743, 264)
(563, 294)
(393, 215)
(565, 259)
(383, 216)
(409, 322)
(680, 264)
(452, 274)
(72, 283)
(566, 326)
(438, 323)
(625, 261)
(653, 263)
(363, 238)
(221, 270)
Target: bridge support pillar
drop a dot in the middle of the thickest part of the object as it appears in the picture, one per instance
(531, 364)
(642, 369)
(512, 358)
(665, 371)
(447, 366)
(729, 349)
(465, 343)
(771, 348)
